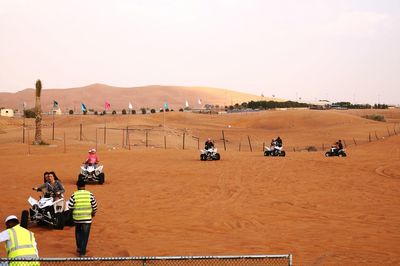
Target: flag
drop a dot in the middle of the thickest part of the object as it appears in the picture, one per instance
(199, 101)
(165, 105)
(187, 103)
(107, 105)
(130, 107)
(84, 110)
(55, 105)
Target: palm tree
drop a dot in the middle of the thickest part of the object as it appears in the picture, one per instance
(38, 113)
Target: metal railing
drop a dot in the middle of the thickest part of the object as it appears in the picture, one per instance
(243, 260)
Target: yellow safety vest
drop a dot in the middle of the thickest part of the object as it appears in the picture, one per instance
(82, 207)
(21, 246)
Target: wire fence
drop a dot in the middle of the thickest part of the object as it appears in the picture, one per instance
(161, 137)
(247, 260)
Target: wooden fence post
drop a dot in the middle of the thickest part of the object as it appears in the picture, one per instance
(183, 141)
(376, 136)
(394, 129)
(147, 133)
(223, 138)
(105, 134)
(369, 137)
(251, 149)
(240, 144)
(123, 139)
(65, 144)
(29, 147)
(165, 142)
(388, 130)
(80, 132)
(355, 143)
(263, 147)
(96, 138)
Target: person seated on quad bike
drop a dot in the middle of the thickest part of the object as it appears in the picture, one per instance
(53, 187)
(279, 142)
(335, 148)
(209, 144)
(92, 158)
(340, 145)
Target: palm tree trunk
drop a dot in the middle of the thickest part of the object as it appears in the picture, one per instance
(38, 112)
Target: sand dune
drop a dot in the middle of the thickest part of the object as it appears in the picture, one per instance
(95, 95)
(325, 211)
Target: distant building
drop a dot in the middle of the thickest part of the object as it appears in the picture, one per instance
(7, 112)
(57, 111)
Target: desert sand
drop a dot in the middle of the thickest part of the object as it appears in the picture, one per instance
(166, 202)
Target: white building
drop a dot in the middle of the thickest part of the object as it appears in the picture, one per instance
(7, 112)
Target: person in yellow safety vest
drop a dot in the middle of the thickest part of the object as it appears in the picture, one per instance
(20, 243)
(84, 206)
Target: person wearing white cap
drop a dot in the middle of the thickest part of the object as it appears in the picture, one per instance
(20, 242)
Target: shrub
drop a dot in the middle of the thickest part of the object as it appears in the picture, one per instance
(152, 111)
(180, 109)
(29, 113)
(133, 112)
(71, 112)
(96, 113)
(143, 110)
(311, 148)
(114, 112)
(375, 117)
(84, 112)
(123, 111)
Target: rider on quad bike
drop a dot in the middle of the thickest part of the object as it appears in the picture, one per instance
(93, 158)
(53, 186)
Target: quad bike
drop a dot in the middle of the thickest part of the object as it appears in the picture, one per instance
(336, 152)
(274, 151)
(45, 211)
(92, 173)
(209, 154)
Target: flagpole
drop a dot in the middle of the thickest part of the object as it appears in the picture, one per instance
(53, 123)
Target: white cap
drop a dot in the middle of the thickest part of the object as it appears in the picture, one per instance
(11, 217)
(92, 150)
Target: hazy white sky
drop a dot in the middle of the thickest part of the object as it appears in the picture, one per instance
(313, 49)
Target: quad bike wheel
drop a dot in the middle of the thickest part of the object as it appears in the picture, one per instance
(81, 177)
(217, 156)
(101, 178)
(266, 153)
(283, 154)
(327, 154)
(203, 157)
(58, 221)
(24, 219)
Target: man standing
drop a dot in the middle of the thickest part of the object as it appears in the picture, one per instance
(20, 242)
(84, 206)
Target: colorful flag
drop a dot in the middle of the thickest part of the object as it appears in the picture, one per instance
(107, 105)
(55, 105)
(199, 101)
(165, 105)
(130, 107)
(84, 110)
(187, 103)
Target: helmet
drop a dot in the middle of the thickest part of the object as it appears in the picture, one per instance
(92, 151)
(209, 139)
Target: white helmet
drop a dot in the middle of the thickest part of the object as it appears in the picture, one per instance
(92, 150)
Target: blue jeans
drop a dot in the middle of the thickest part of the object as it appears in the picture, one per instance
(82, 231)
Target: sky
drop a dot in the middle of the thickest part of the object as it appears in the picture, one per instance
(338, 50)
